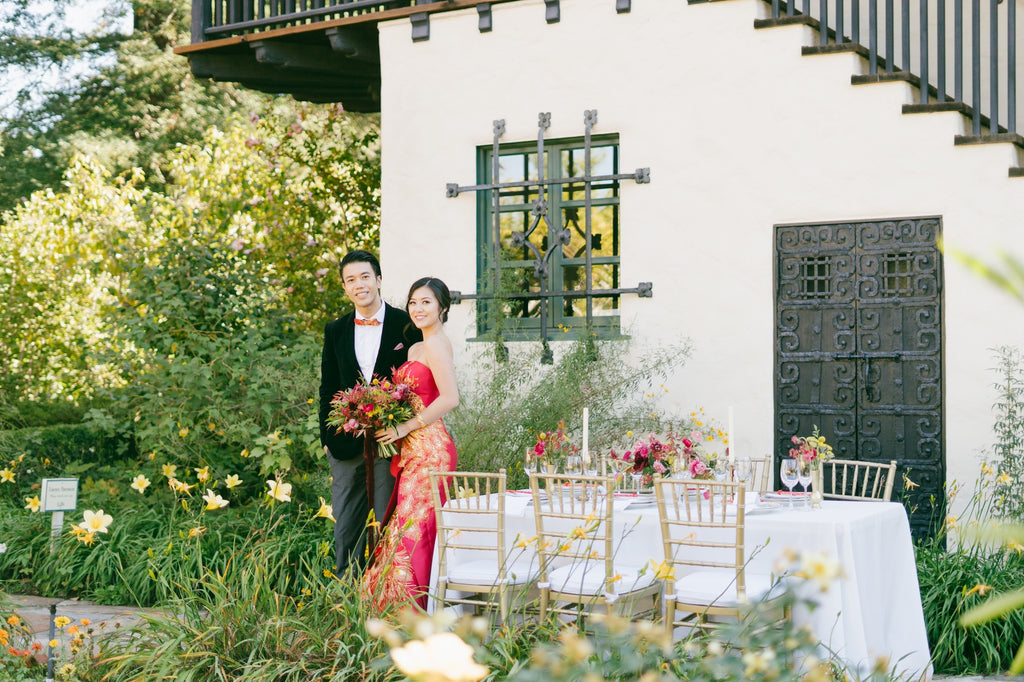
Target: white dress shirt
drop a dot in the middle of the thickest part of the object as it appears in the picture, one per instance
(367, 342)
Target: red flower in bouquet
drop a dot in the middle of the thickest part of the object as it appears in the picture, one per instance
(365, 408)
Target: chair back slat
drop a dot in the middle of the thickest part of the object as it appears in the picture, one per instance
(574, 520)
(474, 518)
(857, 480)
(702, 525)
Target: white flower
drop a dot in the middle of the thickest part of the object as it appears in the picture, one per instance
(442, 657)
(280, 491)
(140, 483)
(3, 547)
(97, 521)
(820, 568)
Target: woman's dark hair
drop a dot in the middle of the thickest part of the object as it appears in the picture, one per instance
(441, 293)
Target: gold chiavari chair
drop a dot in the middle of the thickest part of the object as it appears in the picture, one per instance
(702, 529)
(474, 566)
(579, 569)
(845, 479)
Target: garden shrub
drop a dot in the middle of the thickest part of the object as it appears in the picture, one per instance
(53, 451)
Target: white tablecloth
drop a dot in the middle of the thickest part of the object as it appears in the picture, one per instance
(874, 610)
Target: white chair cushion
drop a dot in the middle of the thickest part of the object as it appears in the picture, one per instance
(485, 572)
(589, 578)
(719, 588)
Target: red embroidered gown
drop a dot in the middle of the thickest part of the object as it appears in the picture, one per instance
(401, 564)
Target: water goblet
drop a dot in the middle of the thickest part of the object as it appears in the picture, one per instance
(804, 478)
(529, 463)
(789, 472)
(573, 465)
(636, 476)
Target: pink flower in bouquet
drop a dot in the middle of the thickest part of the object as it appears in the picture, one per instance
(698, 468)
(363, 409)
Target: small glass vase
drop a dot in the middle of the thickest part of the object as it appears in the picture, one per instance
(817, 486)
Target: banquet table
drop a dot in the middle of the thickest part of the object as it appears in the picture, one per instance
(873, 610)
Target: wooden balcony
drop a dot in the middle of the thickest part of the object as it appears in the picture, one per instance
(314, 50)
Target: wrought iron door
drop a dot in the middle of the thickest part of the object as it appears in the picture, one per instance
(859, 348)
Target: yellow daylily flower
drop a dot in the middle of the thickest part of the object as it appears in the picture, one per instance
(663, 570)
(280, 491)
(140, 483)
(981, 589)
(203, 474)
(33, 504)
(232, 481)
(6, 476)
(213, 500)
(169, 470)
(324, 512)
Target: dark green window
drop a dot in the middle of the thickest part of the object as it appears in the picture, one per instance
(563, 208)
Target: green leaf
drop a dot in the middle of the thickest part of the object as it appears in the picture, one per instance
(995, 607)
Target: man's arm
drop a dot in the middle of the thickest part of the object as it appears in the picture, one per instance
(330, 381)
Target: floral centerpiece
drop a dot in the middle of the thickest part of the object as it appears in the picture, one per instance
(700, 463)
(365, 408)
(649, 457)
(812, 450)
(553, 447)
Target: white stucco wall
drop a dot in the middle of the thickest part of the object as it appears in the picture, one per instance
(741, 133)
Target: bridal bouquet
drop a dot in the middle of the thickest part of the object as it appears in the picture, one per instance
(811, 449)
(365, 408)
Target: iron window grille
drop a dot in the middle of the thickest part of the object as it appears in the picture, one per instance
(548, 232)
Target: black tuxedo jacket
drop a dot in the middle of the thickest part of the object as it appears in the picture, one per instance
(339, 369)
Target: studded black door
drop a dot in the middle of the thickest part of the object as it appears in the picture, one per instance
(859, 348)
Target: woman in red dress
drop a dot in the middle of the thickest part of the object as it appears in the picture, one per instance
(400, 570)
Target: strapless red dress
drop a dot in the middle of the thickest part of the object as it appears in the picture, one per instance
(400, 569)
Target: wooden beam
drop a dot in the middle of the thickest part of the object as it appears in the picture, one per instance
(358, 43)
(245, 69)
(369, 18)
(314, 58)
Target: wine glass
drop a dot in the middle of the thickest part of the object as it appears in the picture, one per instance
(529, 463)
(804, 477)
(790, 475)
(591, 464)
(573, 465)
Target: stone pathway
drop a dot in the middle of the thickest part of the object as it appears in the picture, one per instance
(35, 612)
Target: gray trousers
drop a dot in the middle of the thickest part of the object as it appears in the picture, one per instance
(351, 507)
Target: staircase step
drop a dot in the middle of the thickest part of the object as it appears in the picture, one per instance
(794, 20)
(1013, 138)
(933, 107)
(836, 48)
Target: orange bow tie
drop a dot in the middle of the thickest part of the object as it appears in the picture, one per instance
(373, 322)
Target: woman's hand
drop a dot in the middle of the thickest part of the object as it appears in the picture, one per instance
(391, 433)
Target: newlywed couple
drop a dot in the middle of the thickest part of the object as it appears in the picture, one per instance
(377, 339)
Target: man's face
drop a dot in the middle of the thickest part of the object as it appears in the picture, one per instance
(362, 286)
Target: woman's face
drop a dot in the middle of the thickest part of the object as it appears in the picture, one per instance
(423, 308)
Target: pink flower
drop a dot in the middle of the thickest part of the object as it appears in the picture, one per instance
(697, 468)
(687, 442)
(350, 426)
(696, 436)
(659, 467)
(367, 409)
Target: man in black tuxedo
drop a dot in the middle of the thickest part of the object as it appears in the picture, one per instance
(373, 339)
